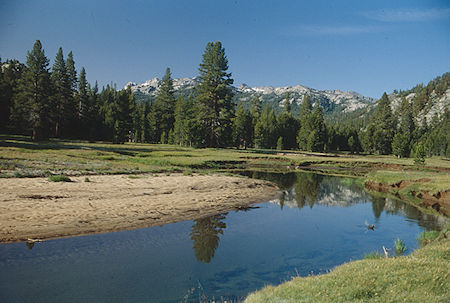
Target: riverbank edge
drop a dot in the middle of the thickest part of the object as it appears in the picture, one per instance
(79, 208)
(419, 277)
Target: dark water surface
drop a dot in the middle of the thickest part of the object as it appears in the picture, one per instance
(317, 223)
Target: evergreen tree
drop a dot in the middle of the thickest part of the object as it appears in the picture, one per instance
(214, 98)
(288, 126)
(255, 113)
(62, 89)
(180, 113)
(124, 108)
(400, 145)
(83, 101)
(10, 73)
(164, 107)
(145, 133)
(34, 92)
(266, 134)
(317, 133)
(383, 126)
(242, 127)
(192, 127)
(70, 110)
(94, 124)
(305, 115)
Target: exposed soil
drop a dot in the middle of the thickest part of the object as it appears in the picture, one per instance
(34, 208)
(439, 201)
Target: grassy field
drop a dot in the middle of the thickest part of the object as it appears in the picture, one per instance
(423, 276)
(19, 157)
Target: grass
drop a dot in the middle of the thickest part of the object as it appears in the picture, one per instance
(426, 237)
(373, 255)
(59, 178)
(422, 276)
(20, 157)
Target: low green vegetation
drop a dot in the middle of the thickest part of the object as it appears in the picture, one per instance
(399, 247)
(427, 237)
(59, 178)
(408, 181)
(422, 276)
(373, 255)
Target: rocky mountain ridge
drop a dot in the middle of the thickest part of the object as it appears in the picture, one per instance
(331, 100)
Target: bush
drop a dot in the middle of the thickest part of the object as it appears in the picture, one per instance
(400, 247)
(59, 178)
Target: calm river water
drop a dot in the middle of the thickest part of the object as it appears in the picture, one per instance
(317, 223)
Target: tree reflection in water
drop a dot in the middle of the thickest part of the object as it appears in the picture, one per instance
(205, 236)
(304, 188)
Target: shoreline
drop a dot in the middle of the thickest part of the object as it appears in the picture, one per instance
(35, 208)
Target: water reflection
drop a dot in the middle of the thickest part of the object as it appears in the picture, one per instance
(303, 188)
(205, 236)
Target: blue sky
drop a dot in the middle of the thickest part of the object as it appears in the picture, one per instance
(365, 46)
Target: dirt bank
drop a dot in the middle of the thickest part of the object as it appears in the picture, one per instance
(439, 201)
(39, 209)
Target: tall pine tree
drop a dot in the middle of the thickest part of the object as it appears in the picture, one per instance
(288, 126)
(304, 118)
(164, 107)
(214, 99)
(34, 93)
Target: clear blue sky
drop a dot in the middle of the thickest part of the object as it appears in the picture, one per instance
(364, 46)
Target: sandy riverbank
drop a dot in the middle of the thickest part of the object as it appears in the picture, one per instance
(39, 209)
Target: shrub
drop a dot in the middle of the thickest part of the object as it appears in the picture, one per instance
(400, 247)
(86, 179)
(59, 178)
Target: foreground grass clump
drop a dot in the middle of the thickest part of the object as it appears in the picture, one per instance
(59, 178)
(420, 277)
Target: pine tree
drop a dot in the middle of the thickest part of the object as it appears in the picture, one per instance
(214, 98)
(34, 93)
(382, 127)
(242, 127)
(255, 113)
(10, 73)
(62, 89)
(145, 134)
(192, 127)
(124, 109)
(95, 122)
(70, 110)
(288, 126)
(317, 135)
(304, 116)
(83, 101)
(266, 134)
(401, 143)
(164, 106)
(180, 113)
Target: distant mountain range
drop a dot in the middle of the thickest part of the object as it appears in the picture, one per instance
(335, 103)
(331, 100)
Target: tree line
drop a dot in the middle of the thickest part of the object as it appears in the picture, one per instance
(58, 102)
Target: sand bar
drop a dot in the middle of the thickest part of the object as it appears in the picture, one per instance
(39, 209)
